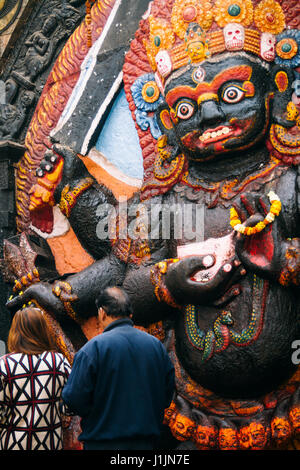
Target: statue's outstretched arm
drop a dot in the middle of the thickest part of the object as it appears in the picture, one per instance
(74, 295)
(159, 290)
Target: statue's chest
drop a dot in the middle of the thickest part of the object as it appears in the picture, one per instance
(216, 222)
(194, 222)
(205, 214)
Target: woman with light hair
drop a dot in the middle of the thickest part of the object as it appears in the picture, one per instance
(32, 376)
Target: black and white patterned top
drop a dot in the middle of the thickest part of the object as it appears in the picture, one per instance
(34, 421)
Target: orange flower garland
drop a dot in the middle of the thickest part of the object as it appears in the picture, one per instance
(275, 209)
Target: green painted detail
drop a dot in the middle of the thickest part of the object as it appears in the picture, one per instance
(157, 41)
(222, 335)
(234, 10)
(286, 47)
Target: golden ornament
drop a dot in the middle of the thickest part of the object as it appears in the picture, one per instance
(191, 11)
(233, 11)
(269, 17)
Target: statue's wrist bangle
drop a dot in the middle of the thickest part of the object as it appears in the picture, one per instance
(69, 196)
(290, 274)
(63, 290)
(161, 291)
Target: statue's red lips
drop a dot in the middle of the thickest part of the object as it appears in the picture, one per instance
(195, 140)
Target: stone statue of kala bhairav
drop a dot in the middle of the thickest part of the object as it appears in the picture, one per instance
(218, 81)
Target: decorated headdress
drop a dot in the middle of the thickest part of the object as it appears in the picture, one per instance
(198, 29)
(176, 33)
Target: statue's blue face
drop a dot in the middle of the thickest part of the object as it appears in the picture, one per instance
(219, 107)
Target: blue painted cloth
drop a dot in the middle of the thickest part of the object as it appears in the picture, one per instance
(118, 140)
(121, 382)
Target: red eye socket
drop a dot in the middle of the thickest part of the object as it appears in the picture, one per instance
(184, 110)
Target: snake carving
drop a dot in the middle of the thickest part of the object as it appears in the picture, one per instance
(222, 334)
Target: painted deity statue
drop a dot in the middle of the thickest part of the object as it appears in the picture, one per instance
(214, 82)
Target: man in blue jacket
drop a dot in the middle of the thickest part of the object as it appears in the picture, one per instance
(121, 381)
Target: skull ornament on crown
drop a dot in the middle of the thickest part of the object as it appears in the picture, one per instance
(267, 46)
(163, 63)
(234, 36)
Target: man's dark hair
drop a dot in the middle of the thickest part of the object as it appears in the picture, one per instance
(115, 302)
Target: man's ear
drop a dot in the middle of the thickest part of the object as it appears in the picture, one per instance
(101, 314)
(281, 85)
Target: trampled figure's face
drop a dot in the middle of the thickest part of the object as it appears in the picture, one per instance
(218, 107)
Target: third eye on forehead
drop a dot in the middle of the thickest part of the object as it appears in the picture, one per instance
(211, 69)
(235, 74)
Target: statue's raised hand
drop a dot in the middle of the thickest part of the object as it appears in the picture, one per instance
(263, 253)
(73, 169)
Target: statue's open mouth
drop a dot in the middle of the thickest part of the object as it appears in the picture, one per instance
(213, 135)
(194, 140)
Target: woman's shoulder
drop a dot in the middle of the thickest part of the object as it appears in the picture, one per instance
(9, 362)
(49, 359)
(10, 357)
(55, 357)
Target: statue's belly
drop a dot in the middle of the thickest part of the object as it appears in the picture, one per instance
(250, 357)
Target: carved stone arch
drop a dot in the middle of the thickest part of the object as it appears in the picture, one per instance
(39, 34)
(30, 33)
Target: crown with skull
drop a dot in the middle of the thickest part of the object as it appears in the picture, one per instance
(198, 29)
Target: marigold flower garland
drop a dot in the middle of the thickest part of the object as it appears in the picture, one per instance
(275, 209)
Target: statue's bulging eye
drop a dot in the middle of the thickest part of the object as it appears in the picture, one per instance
(184, 110)
(233, 94)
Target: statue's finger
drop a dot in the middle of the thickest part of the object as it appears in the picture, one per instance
(241, 212)
(248, 201)
(50, 156)
(18, 301)
(197, 263)
(228, 273)
(46, 166)
(65, 297)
